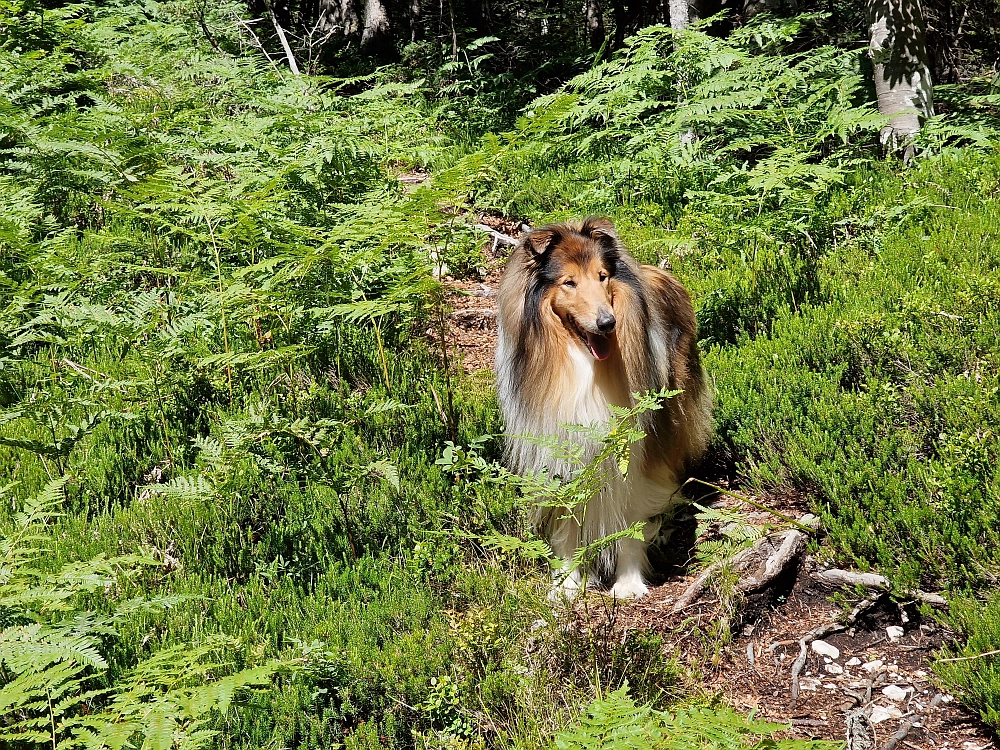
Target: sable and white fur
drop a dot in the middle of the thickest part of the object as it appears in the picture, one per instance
(583, 325)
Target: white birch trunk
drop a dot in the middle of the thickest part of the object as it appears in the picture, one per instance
(902, 74)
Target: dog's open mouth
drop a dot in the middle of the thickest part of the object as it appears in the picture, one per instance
(598, 344)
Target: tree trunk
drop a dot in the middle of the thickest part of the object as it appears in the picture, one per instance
(628, 17)
(341, 15)
(376, 38)
(902, 74)
(593, 21)
(416, 22)
(753, 7)
(678, 14)
(474, 16)
(683, 13)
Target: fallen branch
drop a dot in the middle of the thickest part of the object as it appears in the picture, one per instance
(758, 565)
(820, 632)
(294, 66)
(837, 577)
(498, 237)
(907, 725)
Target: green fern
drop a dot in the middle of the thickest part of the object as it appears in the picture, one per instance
(52, 654)
(615, 721)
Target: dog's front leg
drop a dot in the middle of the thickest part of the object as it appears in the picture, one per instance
(567, 580)
(632, 564)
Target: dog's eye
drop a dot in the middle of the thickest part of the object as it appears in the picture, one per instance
(570, 283)
(603, 277)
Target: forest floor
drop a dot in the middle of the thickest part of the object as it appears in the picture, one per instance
(876, 669)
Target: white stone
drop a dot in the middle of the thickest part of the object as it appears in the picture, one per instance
(894, 632)
(895, 693)
(825, 649)
(920, 673)
(834, 669)
(853, 662)
(830, 686)
(884, 713)
(873, 666)
(808, 683)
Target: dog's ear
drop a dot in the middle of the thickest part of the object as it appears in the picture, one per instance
(600, 229)
(540, 241)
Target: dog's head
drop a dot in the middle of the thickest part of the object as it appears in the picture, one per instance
(573, 270)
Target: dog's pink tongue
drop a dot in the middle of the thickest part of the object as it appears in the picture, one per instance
(600, 346)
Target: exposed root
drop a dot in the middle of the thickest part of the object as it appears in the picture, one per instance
(906, 726)
(758, 565)
(820, 632)
(837, 577)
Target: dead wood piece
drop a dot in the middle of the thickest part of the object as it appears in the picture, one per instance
(503, 239)
(785, 547)
(293, 66)
(860, 735)
(837, 577)
(906, 726)
(480, 318)
(486, 291)
(758, 565)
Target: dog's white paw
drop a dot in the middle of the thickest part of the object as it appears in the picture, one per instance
(628, 588)
(567, 590)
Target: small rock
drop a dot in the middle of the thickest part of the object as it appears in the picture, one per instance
(825, 649)
(920, 673)
(873, 666)
(884, 713)
(853, 662)
(834, 669)
(537, 625)
(893, 668)
(808, 683)
(830, 686)
(894, 632)
(895, 693)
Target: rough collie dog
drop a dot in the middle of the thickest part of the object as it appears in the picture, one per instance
(583, 325)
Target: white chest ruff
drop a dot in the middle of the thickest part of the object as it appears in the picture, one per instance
(582, 399)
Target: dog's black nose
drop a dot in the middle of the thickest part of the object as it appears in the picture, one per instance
(605, 322)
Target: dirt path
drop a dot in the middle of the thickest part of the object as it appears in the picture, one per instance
(880, 664)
